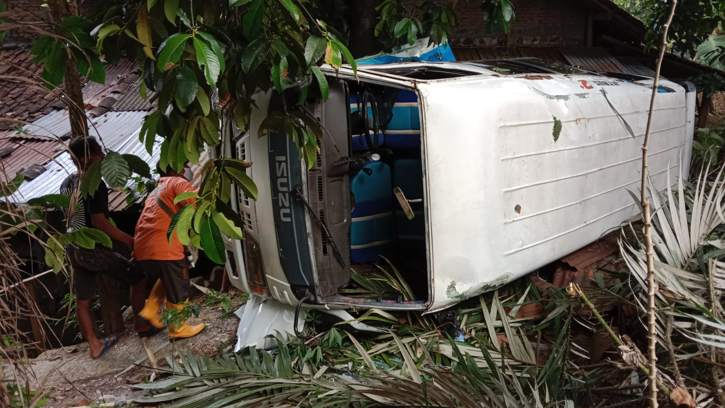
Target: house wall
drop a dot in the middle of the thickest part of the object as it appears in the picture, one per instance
(538, 23)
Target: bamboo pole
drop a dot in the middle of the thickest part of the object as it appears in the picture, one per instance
(647, 218)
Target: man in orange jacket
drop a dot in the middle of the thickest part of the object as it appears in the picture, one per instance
(162, 260)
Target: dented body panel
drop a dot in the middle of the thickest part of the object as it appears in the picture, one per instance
(518, 171)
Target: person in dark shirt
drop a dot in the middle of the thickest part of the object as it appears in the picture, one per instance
(92, 212)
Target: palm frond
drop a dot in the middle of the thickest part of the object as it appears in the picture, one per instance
(689, 320)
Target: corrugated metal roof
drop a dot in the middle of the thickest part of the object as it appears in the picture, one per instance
(132, 100)
(119, 78)
(546, 54)
(119, 132)
(593, 59)
(634, 66)
(54, 125)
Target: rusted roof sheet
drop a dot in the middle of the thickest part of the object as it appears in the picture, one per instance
(24, 98)
(120, 78)
(25, 153)
(593, 59)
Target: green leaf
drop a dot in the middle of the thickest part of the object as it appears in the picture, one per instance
(333, 55)
(9, 188)
(321, 81)
(314, 49)
(186, 86)
(54, 64)
(209, 130)
(292, 9)
(53, 200)
(241, 165)
(250, 56)
(105, 31)
(215, 47)
(150, 4)
(81, 239)
(199, 215)
(97, 73)
(401, 28)
(97, 236)
(412, 33)
(237, 3)
(54, 253)
(187, 195)
(227, 227)
(137, 165)
(164, 154)
(77, 29)
(556, 130)
(143, 32)
(171, 51)
(41, 48)
(230, 214)
(184, 223)
(310, 149)
(208, 60)
(211, 241)
(148, 132)
(91, 179)
(191, 147)
(203, 99)
(243, 180)
(507, 10)
(171, 8)
(252, 19)
(115, 169)
(280, 73)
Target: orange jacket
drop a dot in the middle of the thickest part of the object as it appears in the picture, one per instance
(150, 242)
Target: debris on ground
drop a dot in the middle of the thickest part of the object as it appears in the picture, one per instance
(70, 377)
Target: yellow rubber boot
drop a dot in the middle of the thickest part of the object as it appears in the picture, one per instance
(152, 308)
(182, 330)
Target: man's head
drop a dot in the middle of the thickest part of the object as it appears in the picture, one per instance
(85, 151)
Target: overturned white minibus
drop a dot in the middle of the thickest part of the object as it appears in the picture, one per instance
(462, 176)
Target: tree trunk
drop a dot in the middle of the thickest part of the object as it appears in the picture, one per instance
(73, 95)
(73, 98)
(704, 111)
(362, 27)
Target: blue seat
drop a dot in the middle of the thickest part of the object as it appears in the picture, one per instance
(371, 230)
(360, 142)
(403, 130)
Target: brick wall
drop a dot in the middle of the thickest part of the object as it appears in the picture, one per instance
(539, 23)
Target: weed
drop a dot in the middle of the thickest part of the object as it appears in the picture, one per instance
(22, 396)
(222, 300)
(708, 144)
(174, 317)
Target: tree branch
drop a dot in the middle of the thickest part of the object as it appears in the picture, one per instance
(647, 218)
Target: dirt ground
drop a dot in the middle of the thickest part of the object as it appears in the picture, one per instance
(70, 378)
